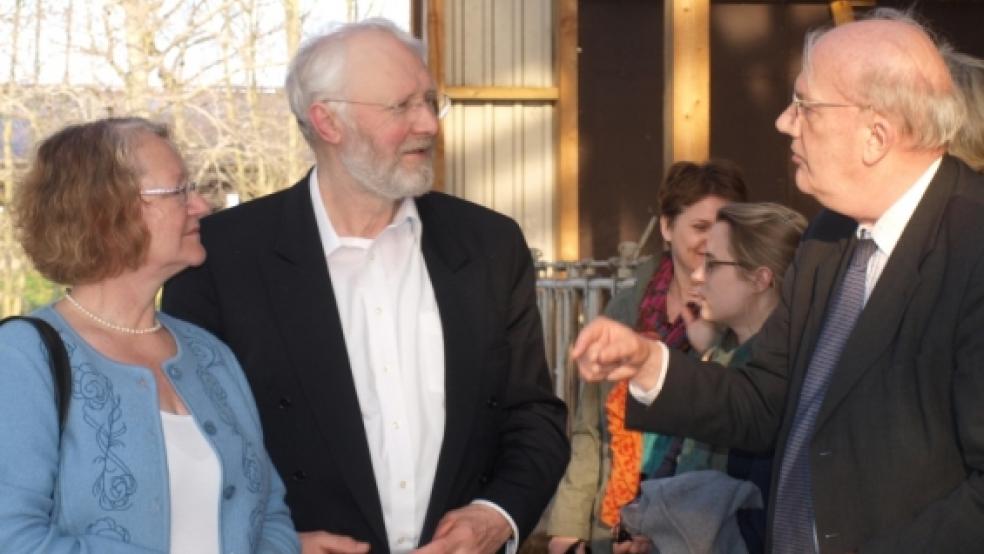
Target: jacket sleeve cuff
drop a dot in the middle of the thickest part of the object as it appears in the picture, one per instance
(647, 397)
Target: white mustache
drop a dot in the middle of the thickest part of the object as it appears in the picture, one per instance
(419, 145)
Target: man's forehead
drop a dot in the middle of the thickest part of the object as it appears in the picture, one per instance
(819, 75)
(381, 62)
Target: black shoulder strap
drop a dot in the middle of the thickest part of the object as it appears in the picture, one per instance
(58, 357)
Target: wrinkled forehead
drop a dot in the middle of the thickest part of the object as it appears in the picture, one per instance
(842, 57)
(378, 64)
(823, 69)
(152, 153)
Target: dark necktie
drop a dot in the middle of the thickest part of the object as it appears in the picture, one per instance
(793, 526)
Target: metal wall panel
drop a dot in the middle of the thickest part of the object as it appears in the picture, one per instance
(502, 154)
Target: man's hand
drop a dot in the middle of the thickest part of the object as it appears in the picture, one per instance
(322, 542)
(606, 349)
(471, 529)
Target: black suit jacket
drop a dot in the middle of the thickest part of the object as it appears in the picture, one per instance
(899, 443)
(265, 290)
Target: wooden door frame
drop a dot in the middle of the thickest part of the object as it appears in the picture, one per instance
(563, 96)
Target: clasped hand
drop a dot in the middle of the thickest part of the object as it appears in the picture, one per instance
(474, 528)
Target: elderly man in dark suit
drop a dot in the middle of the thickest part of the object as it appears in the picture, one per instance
(390, 334)
(869, 377)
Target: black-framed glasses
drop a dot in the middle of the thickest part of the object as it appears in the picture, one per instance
(711, 263)
(439, 104)
(181, 191)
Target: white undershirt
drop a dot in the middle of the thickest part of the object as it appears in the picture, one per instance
(195, 479)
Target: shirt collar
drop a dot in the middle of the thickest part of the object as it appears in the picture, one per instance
(406, 214)
(888, 229)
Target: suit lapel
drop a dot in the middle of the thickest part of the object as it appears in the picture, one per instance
(877, 326)
(826, 262)
(456, 279)
(306, 314)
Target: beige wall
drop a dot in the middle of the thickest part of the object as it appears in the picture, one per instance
(502, 154)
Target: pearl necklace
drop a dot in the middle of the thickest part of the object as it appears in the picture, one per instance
(109, 324)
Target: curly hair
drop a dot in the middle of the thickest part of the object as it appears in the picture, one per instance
(77, 212)
(687, 183)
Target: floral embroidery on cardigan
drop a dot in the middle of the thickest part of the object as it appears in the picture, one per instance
(209, 358)
(115, 485)
(256, 519)
(107, 527)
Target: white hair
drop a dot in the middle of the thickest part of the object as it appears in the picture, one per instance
(968, 73)
(929, 115)
(318, 69)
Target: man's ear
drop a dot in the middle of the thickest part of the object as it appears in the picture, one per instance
(325, 123)
(882, 137)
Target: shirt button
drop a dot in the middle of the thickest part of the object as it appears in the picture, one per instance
(379, 311)
(229, 492)
(403, 484)
(209, 427)
(174, 372)
(396, 425)
(142, 383)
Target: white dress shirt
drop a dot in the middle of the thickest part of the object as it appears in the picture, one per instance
(395, 345)
(885, 232)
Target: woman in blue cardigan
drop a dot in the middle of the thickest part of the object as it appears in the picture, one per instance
(161, 450)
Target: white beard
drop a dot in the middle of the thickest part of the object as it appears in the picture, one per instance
(389, 180)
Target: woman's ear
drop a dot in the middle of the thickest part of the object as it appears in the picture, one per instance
(665, 226)
(762, 279)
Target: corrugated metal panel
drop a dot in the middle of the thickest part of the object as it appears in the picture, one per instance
(502, 155)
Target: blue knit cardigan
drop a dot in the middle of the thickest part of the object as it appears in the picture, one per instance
(105, 488)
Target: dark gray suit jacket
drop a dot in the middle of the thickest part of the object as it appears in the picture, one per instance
(899, 443)
(265, 290)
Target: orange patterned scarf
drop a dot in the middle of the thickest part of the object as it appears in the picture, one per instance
(627, 446)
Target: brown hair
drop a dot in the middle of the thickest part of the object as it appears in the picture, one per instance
(77, 211)
(687, 183)
(763, 234)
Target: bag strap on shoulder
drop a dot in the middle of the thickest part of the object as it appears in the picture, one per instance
(61, 373)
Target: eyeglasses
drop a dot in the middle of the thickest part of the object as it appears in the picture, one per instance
(799, 104)
(181, 191)
(438, 104)
(711, 263)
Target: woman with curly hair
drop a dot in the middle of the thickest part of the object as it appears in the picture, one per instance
(160, 449)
